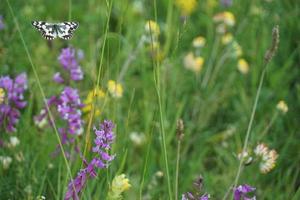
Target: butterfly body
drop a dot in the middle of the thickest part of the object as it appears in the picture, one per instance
(50, 31)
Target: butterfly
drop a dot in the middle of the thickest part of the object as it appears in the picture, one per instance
(49, 31)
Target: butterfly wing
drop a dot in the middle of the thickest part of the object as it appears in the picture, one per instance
(47, 29)
(65, 29)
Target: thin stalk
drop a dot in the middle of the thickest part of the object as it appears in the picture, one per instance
(41, 91)
(157, 82)
(177, 169)
(250, 125)
(210, 62)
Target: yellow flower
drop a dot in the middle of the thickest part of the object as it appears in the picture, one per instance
(243, 66)
(199, 42)
(115, 89)
(119, 185)
(225, 17)
(282, 106)
(88, 102)
(227, 38)
(267, 158)
(193, 63)
(2, 95)
(152, 28)
(186, 6)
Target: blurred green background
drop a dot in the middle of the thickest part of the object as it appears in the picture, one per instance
(215, 115)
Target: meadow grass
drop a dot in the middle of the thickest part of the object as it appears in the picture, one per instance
(224, 111)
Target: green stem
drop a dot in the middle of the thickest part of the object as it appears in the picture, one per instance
(177, 169)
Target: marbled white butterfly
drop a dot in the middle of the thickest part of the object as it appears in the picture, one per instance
(49, 31)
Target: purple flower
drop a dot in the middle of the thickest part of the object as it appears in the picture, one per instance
(190, 196)
(68, 60)
(78, 183)
(241, 191)
(226, 3)
(69, 109)
(9, 109)
(103, 141)
(1, 23)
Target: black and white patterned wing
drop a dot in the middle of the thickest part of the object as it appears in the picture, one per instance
(48, 30)
(65, 29)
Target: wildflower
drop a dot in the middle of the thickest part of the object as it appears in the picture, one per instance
(6, 161)
(1, 23)
(225, 17)
(193, 63)
(243, 66)
(41, 120)
(268, 158)
(241, 191)
(137, 138)
(186, 7)
(119, 185)
(115, 89)
(199, 42)
(282, 107)
(13, 141)
(69, 109)
(88, 102)
(69, 60)
(10, 108)
(152, 28)
(247, 158)
(227, 38)
(2, 95)
(78, 183)
(103, 141)
(198, 184)
(40, 197)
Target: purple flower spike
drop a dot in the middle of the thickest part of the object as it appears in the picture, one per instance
(69, 110)
(69, 61)
(10, 108)
(241, 191)
(103, 141)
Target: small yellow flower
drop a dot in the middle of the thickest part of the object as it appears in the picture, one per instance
(267, 158)
(227, 38)
(152, 28)
(186, 7)
(282, 106)
(193, 63)
(119, 185)
(2, 95)
(199, 42)
(115, 89)
(243, 66)
(88, 102)
(225, 17)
